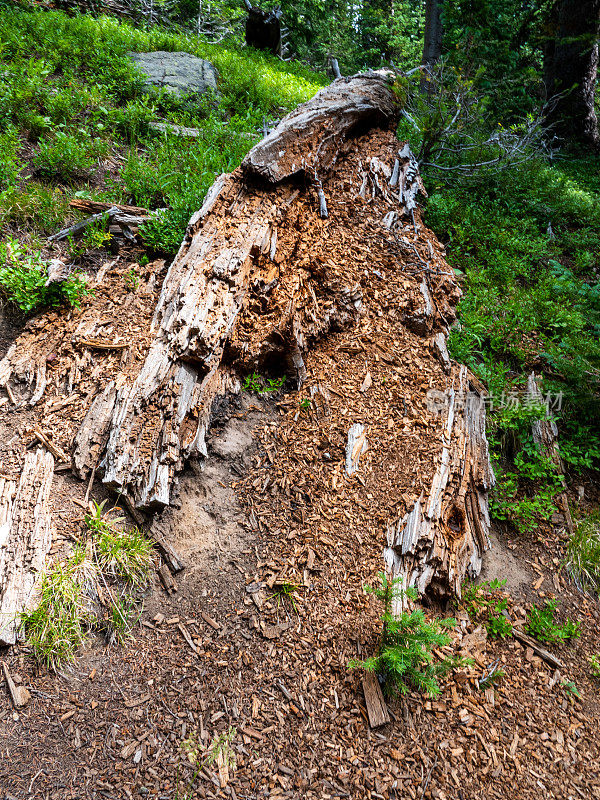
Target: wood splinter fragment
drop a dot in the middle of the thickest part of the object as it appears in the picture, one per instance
(544, 654)
(56, 451)
(376, 707)
(97, 344)
(167, 580)
(186, 635)
(322, 203)
(357, 445)
(19, 695)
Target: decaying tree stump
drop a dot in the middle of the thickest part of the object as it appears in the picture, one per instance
(233, 254)
(271, 268)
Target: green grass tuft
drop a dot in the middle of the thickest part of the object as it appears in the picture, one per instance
(124, 555)
(60, 622)
(583, 554)
(92, 590)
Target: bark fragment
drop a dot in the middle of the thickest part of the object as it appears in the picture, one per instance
(25, 538)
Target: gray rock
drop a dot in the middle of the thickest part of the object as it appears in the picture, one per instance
(179, 73)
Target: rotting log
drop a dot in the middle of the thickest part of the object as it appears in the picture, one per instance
(25, 538)
(278, 263)
(231, 256)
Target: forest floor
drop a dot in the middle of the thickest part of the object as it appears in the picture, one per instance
(252, 651)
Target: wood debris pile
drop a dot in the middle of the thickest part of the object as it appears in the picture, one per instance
(309, 261)
(377, 439)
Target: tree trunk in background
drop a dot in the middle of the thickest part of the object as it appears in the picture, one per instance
(263, 29)
(434, 32)
(571, 67)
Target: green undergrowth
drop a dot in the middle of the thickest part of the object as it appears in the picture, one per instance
(408, 655)
(24, 279)
(541, 623)
(582, 559)
(486, 602)
(75, 120)
(95, 589)
(526, 244)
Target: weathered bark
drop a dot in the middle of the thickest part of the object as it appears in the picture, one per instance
(571, 69)
(25, 538)
(445, 534)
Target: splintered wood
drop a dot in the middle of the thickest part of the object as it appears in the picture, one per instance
(445, 532)
(25, 538)
(308, 261)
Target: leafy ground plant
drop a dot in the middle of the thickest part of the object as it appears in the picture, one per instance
(23, 277)
(595, 665)
(92, 590)
(67, 157)
(571, 690)
(484, 601)
(261, 385)
(582, 559)
(131, 280)
(406, 657)
(541, 624)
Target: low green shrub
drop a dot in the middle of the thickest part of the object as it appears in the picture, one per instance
(68, 157)
(10, 164)
(541, 624)
(23, 276)
(484, 601)
(406, 657)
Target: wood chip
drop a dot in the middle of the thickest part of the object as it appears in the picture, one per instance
(376, 706)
